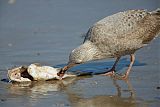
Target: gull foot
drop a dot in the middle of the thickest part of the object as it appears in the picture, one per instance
(120, 77)
(110, 73)
(116, 75)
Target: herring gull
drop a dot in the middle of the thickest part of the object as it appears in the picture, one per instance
(115, 36)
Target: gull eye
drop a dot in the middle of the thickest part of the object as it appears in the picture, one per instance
(78, 63)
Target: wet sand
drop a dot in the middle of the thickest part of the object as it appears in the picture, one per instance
(45, 31)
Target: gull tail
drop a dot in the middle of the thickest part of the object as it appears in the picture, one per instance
(156, 12)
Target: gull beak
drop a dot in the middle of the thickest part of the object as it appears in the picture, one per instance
(64, 69)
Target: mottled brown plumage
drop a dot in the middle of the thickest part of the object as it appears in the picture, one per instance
(117, 35)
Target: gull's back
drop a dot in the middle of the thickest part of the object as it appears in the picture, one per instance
(124, 32)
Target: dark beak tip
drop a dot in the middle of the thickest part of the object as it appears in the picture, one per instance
(64, 69)
(58, 74)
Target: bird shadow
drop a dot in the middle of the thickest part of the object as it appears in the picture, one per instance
(99, 67)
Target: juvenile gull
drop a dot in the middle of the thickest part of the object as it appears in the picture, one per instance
(115, 36)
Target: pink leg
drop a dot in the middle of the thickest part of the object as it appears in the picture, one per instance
(132, 59)
(112, 70)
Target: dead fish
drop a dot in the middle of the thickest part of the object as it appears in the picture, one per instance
(35, 72)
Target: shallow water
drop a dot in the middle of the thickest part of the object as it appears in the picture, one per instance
(45, 31)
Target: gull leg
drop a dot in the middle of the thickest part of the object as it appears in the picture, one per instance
(112, 70)
(132, 59)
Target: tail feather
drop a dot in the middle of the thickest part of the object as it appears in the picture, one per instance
(156, 12)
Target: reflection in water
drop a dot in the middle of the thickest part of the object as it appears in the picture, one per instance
(39, 90)
(105, 100)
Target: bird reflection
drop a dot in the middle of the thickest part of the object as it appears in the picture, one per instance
(41, 89)
(116, 100)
